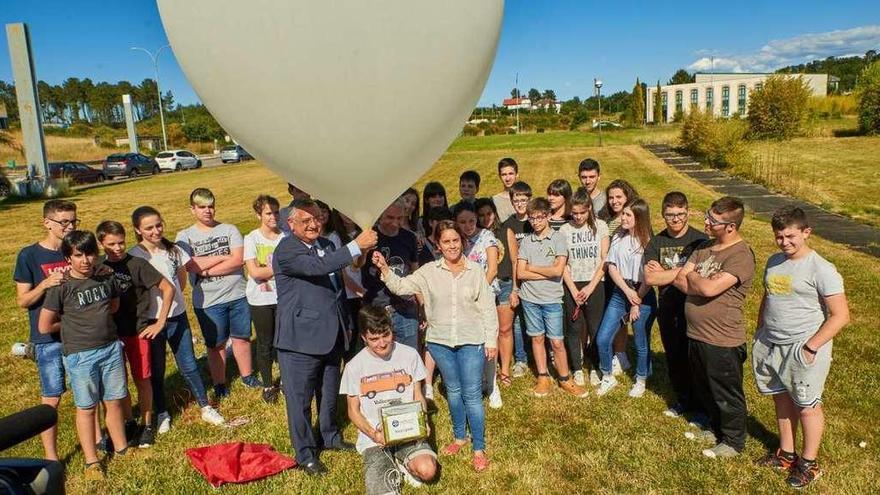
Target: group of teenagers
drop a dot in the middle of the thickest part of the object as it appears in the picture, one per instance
(483, 291)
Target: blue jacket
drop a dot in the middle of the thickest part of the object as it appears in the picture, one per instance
(310, 310)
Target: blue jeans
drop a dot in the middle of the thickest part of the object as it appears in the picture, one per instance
(505, 287)
(618, 307)
(406, 328)
(544, 319)
(51, 368)
(462, 370)
(97, 375)
(179, 337)
(220, 321)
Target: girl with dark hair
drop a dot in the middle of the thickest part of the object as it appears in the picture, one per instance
(410, 199)
(632, 300)
(430, 251)
(559, 196)
(433, 196)
(171, 262)
(259, 248)
(618, 194)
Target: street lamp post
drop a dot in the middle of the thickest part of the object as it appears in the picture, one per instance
(155, 59)
(597, 83)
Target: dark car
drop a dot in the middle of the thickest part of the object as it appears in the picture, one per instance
(129, 165)
(77, 173)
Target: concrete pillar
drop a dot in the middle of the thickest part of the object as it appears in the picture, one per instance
(28, 100)
(129, 124)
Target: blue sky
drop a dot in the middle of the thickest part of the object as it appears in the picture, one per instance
(552, 44)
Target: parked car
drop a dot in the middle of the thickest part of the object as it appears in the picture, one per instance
(129, 165)
(77, 173)
(234, 153)
(177, 160)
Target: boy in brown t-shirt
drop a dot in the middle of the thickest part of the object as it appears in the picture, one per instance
(716, 280)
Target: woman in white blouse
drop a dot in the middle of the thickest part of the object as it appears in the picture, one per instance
(462, 331)
(632, 300)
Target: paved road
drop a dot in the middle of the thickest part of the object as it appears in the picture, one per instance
(208, 161)
(763, 202)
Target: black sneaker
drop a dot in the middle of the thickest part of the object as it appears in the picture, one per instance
(803, 473)
(147, 437)
(105, 445)
(131, 431)
(251, 381)
(778, 460)
(270, 395)
(221, 391)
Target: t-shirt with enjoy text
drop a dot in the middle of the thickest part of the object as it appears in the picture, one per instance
(719, 320)
(84, 308)
(673, 252)
(261, 249)
(135, 278)
(379, 382)
(584, 248)
(401, 252)
(794, 296)
(219, 240)
(33, 265)
(542, 252)
(168, 263)
(503, 205)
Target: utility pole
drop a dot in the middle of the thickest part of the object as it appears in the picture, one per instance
(597, 83)
(518, 100)
(29, 112)
(155, 59)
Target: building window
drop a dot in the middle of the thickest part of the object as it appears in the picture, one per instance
(695, 96)
(664, 100)
(725, 101)
(759, 86)
(710, 100)
(741, 99)
(678, 98)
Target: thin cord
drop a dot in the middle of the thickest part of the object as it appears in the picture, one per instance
(393, 476)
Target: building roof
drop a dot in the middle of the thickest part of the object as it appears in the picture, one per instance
(515, 101)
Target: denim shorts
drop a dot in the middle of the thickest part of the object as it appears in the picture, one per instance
(50, 365)
(544, 319)
(97, 375)
(220, 321)
(505, 287)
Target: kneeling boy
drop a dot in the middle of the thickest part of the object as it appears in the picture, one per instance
(362, 384)
(804, 307)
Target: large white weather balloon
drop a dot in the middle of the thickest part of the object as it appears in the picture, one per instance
(351, 100)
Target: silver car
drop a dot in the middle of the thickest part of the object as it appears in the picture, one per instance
(234, 153)
(177, 160)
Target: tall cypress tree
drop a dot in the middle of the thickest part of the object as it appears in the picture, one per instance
(658, 106)
(637, 105)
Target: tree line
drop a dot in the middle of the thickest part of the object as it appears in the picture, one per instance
(82, 100)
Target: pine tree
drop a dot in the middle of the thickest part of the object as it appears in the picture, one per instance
(658, 106)
(637, 105)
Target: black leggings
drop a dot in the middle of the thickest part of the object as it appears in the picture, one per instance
(586, 326)
(264, 325)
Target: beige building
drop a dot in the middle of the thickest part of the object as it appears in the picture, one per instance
(725, 95)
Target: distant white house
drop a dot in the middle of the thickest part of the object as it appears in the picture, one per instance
(722, 94)
(527, 104)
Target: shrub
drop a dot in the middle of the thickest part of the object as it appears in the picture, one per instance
(718, 142)
(868, 94)
(778, 110)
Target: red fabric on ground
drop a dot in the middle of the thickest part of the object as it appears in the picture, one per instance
(237, 462)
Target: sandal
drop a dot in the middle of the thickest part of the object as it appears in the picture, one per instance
(505, 379)
(481, 462)
(452, 449)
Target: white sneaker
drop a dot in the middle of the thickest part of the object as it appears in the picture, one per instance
(164, 422)
(495, 397)
(594, 378)
(623, 360)
(579, 378)
(211, 416)
(520, 369)
(608, 382)
(615, 366)
(638, 388)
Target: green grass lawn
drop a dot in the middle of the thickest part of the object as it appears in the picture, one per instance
(553, 445)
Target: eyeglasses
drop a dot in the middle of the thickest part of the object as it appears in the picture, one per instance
(65, 223)
(537, 218)
(714, 221)
(310, 221)
(519, 201)
(673, 216)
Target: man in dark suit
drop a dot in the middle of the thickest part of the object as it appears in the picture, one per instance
(310, 327)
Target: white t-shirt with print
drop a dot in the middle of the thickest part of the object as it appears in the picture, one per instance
(584, 249)
(168, 266)
(261, 249)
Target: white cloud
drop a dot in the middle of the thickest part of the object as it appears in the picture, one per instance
(799, 49)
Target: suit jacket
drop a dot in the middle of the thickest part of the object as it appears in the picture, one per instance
(310, 311)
